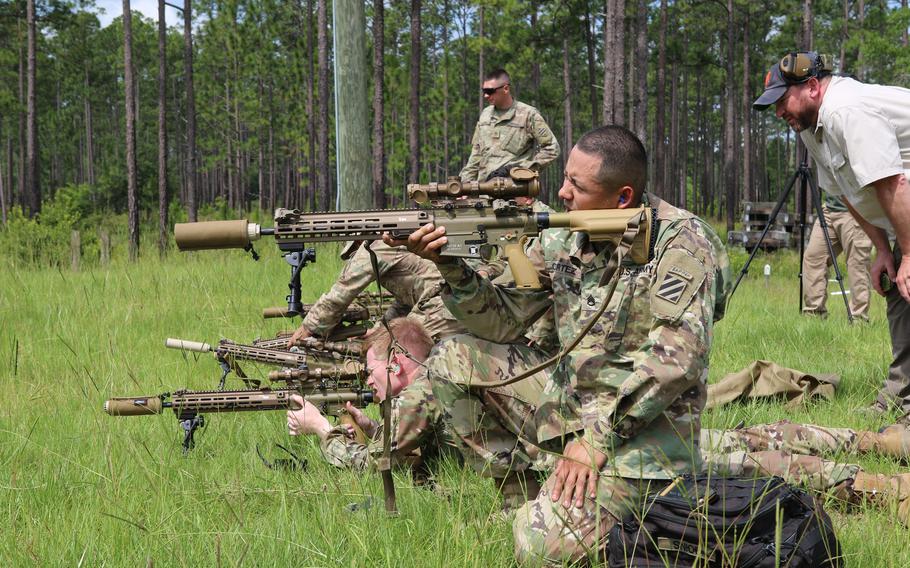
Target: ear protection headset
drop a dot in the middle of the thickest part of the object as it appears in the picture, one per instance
(800, 66)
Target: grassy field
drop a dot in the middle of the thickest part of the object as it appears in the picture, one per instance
(80, 488)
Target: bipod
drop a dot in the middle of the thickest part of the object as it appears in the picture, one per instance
(808, 188)
(190, 424)
(298, 259)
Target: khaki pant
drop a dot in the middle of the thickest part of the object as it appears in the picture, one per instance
(895, 391)
(848, 237)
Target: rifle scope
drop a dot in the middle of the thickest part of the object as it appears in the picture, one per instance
(523, 183)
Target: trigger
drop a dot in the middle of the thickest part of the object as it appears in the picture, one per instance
(486, 251)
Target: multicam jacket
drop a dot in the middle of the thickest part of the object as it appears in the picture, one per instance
(414, 282)
(634, 387)
(417, 430)
(517, 137)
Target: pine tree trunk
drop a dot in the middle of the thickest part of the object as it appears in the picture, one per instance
(729, 163)
(844, 37)
(480, 63)
(904, 35)
(673, 157)
(660, 165)
(535, 64)
(807, 25)
(191, 203)
(130, 105)
(414, 96)
(228, 155)
(568, 135)
(746, 113)
(162, 132)
(379, 197)
(592, 90)
(683, 154)
(445, 89)
(32, 174)
(89, 130)
(641, 66)
(272, 189)
(323, 192)
(609, 38)
(619, 62)
(239, 169)
(20, 150)
(352, 144)
(313, 182)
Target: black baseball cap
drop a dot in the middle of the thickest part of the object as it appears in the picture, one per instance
(775, 87)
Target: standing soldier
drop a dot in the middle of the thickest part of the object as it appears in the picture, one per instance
(847, 236)
(509, 134)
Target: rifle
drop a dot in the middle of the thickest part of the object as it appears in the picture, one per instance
(318, 364)
(189, 406)
(349, 348)
(473, 228)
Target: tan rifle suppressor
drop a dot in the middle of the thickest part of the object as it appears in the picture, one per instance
(209, 235)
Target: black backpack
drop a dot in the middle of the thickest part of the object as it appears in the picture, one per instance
(715, 521)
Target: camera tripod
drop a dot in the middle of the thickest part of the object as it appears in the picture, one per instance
(807, 185)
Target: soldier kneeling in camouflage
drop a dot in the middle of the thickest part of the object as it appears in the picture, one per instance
(621, 412)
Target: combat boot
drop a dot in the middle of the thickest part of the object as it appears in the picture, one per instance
(885, 490)
(516, 488)
(893, 441)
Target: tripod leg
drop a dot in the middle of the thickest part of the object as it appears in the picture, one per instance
(823, 225)
(777, 207)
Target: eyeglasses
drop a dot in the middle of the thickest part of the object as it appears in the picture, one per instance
(491, 90)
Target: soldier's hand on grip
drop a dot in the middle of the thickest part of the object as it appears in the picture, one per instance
(425, 242)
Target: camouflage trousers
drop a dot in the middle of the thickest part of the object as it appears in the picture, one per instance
(496, 433)
(494, 428)
(792, 451)
(546, 533)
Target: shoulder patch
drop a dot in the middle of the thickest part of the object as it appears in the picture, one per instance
(679, 277)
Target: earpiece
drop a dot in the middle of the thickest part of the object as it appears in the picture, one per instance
(622, 199)
(800, 66)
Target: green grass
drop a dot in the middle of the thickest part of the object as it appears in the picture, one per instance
(78, 487)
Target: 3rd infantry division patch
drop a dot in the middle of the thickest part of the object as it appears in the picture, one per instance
(673, 285)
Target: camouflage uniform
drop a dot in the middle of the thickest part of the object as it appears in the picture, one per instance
(633, 388)
(508, 139)
(414, 282)
(417, 431)
(791, 451)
